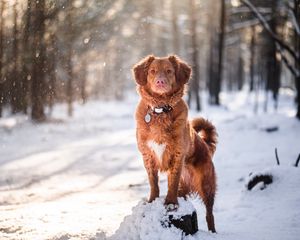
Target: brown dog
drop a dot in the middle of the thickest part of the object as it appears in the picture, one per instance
(167, 140)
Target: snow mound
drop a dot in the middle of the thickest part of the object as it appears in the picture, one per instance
(147, 220)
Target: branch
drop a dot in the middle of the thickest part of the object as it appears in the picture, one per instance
(297, 161)
(293, 70)
(245, 24)
(277, 159)
(269, 30)
(246, 10)
(295, 22)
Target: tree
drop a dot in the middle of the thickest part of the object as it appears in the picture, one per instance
(282, 48)
(220, 52)
(2, 7)
(38, 71)
(69, 55)
(16, 84)
(194, 89)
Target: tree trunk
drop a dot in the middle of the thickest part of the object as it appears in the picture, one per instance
(1, 56)
(83, 82)
(15, 87)
(175, 32)
(52, 72)
(240, 72)
(273, 65)
(26, 58)
(38, 71)
(252, 57)
(221, 51)
(194, 90)
(69, 90)
(297, 63)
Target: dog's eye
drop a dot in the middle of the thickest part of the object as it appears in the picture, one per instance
(152, 71)
(169, 71)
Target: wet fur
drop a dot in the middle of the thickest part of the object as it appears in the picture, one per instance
(190, 146)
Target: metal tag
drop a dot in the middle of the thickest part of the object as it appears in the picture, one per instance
(147, 118)
(158, 110)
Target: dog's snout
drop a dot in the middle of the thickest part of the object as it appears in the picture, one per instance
(160, 81)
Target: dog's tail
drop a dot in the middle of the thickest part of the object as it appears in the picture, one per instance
(207, 132)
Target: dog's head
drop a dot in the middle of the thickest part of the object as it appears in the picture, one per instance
(162, 75)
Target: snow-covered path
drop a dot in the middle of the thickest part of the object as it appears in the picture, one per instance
(77, 179)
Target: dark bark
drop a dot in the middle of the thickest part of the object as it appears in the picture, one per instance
(297, 48)
(220, 52)
(187, 223)
(194, 89)
(69, 66)
(2, 6)
(83, 82)
(175, 31)
(15, 81)
(260, 178)
(212, 63)
(252, 58)
(52, 71)
(273, 64)
(240, 72)
(26, 58)
(38, 71)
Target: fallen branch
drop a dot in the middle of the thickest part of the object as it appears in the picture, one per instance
(266, 179)
(277, 158)
(297, 161)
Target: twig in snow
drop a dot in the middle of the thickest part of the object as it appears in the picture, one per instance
(265, 178)
(277, 158)
(297, 161)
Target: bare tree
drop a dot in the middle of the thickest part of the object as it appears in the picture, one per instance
(69, 63)
(281, 47)
(38, 71)
(194, 88)
(175, 31)
(27, 56)
(2, 7)
(220, 51)
(252, 57)
(16, 84)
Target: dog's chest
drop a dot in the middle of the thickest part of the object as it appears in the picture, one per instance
(159, 139)
(157, 148)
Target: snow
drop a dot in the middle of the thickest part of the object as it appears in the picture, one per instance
(83, 177)
(147, 220)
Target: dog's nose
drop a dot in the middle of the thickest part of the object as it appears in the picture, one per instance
(160, 81)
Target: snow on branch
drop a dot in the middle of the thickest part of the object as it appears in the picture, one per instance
(293, 70)
(249, 23)
(246, 10)
(294, 21)
(269, 30)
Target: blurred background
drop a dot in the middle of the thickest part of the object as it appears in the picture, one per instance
(67, 64)
(76, 50)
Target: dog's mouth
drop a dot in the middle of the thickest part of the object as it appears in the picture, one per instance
(161, 88)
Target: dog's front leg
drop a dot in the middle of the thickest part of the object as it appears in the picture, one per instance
(173, 179)
(152, 171)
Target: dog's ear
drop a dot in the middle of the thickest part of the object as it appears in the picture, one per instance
(182, 70)
(140, 70)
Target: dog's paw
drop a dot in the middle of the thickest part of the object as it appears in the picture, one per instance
(171, 207)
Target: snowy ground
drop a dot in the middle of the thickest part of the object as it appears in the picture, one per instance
(78, 178)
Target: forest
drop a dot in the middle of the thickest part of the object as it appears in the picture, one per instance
(70, 165)
(74, 50)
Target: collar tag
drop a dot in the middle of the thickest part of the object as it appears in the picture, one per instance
(147, 118)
